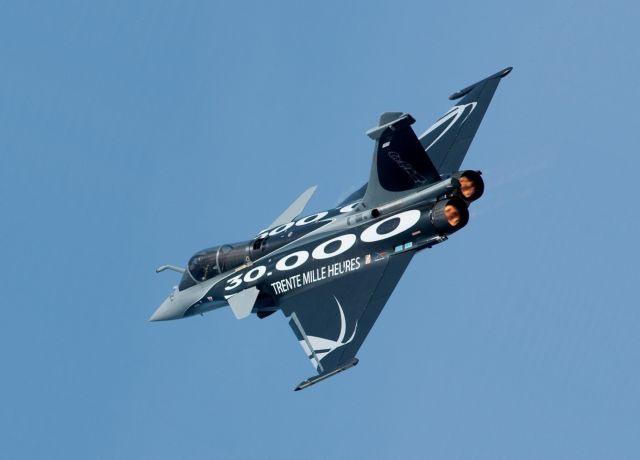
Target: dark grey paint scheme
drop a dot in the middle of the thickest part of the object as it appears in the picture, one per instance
(399, 163)
(331, 273)
(449, 151)
(320, 315)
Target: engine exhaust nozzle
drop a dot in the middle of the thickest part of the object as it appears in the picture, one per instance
(471, 185)
(450, 215)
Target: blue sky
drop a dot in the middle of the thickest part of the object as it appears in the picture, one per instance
(133, 134)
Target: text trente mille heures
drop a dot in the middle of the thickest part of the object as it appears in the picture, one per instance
(313, 276)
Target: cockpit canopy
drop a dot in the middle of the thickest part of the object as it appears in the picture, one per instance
(210, 262)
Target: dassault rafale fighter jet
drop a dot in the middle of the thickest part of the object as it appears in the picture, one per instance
(332, 272)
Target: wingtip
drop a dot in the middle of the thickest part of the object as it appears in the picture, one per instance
(505, 72)
(462, 92)
(319, 378)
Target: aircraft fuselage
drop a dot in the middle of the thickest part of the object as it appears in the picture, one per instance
(319, 248)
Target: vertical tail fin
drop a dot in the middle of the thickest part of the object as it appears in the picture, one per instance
(399, 161)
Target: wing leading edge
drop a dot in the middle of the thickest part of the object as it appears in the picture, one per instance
(332, 320)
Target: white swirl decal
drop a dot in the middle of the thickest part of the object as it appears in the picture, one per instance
(452, 117)
(321, 346)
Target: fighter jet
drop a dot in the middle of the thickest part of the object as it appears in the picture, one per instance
(332, 272)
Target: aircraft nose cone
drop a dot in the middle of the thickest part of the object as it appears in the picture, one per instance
(171, 308)
(178, 302)
(161, 314)
(158, 315)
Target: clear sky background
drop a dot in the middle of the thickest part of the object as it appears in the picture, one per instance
(133, 134)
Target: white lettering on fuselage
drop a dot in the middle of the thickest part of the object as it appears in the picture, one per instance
(312, 219)
(326, 250)
(313, 276)
(287, 284)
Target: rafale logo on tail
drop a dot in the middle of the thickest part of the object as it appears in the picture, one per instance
(407, 167)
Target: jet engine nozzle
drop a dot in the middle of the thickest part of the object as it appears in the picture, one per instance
(450, 215)
(471, 185)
